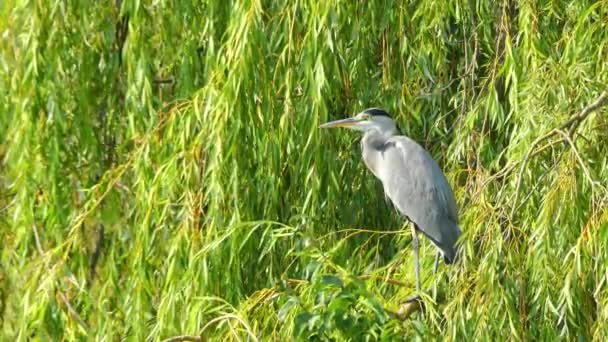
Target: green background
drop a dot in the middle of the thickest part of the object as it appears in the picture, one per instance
(162, 172)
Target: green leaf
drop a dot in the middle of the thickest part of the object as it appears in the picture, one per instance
(331, 280)
(287, 307)
(304, 321)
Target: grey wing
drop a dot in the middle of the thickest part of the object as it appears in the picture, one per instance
(417, 187)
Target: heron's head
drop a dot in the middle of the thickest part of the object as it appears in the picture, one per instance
(369, 119)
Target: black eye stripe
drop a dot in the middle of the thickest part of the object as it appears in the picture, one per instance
(376, 112)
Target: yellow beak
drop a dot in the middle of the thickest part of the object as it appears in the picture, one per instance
(349, 122)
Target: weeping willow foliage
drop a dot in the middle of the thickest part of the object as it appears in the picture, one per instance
(162, 172)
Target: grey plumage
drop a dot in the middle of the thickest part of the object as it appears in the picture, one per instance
(416, 186)
(412, 180)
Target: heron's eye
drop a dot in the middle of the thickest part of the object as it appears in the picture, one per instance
(365, 116)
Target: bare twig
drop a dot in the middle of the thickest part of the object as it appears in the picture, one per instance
(73, 311)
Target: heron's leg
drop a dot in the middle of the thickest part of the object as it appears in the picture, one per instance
(416, 246)
(436, 267)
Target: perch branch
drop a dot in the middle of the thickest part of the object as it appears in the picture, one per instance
(407, 309)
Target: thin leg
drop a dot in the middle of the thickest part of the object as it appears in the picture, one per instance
(436, 267)
(416, 246)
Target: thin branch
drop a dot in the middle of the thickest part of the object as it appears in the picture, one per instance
(346, 85)
(168, 80)
(354, 231)
(184, 338)
(572, 124)
(507, 170)
(391, 281)
(231, 317)
(37, 239)
(576, 120)
(532, 191)
(580, 160)
(524, 162)
(72, 312)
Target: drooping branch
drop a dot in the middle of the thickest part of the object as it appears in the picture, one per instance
(63, 298)
(571, 125)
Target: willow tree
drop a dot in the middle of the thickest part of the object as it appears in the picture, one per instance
(162, 173)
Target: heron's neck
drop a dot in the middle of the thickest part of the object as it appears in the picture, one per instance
(372, 145)
(375, 139)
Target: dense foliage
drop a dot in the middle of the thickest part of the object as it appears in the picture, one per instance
(162, 172)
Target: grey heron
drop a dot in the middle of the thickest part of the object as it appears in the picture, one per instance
(412, 180)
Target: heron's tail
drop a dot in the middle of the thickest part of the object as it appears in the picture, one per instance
(450, 253)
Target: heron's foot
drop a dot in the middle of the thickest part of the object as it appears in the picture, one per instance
(407, 308)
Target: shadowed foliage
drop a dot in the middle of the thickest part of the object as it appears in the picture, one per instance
(162, 172)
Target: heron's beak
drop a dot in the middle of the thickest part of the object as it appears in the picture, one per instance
(349, 122)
